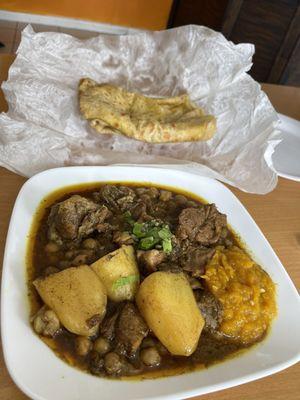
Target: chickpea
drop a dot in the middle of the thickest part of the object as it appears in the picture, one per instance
(165, 195)
(52, 258)
(101, 345)
(140, 191)
(150, 357)
(90, 243)
(87, 252)
(112, 363)
(64, 264)
(46, 322)
(83, 345)
(80, 259)
(38, 324)
(153, 192)
(50, 270)
(96, 363)
(51, 247)
(70, 254)
(180, 199)
(191, 203)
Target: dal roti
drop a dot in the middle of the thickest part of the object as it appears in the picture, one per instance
(111, 109)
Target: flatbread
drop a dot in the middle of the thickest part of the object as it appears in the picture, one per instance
(111, 109)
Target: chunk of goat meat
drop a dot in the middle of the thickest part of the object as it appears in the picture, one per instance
(130, 330)
(190, 220)
(94, 221)
(150, 259)
(211, 309)
(126, 191)
(195, 260)
(117, 197)
(108, 326)
(75, 218)
(202, 225)
(109, 194)
(104, 227)
(139, 210)
(66, 216)
(125, 202)
(149, 204)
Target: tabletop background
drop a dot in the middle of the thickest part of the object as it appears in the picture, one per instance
(277, 214)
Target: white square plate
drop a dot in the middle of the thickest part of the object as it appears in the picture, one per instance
(286, 157)
(43, 376)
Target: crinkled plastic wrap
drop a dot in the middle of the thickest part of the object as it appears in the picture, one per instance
(43, 128)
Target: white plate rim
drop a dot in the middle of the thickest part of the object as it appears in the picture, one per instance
(286, 119)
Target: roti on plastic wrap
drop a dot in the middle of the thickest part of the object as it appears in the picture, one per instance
(111, 109)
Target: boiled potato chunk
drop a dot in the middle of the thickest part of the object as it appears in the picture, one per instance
(119, 273)
(77, 296)
(167, 303)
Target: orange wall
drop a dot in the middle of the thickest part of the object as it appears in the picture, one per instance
(147, 14)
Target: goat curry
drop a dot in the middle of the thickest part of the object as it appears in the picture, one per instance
(130, 280)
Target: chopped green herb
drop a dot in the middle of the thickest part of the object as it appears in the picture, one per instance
(134, 238)
(148, 242)
(139, 230)
(165, 233)
(150, 234)
(125, 280)
(128, 218)
(154, 232)
(167, 245)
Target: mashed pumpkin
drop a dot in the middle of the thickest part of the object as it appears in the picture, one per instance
(245, 291)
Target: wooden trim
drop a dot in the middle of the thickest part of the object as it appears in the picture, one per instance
(286, 49)
(66, 22)
(173, 12)
(231, 14)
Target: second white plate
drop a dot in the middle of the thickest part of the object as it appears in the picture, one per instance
(286, 158)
